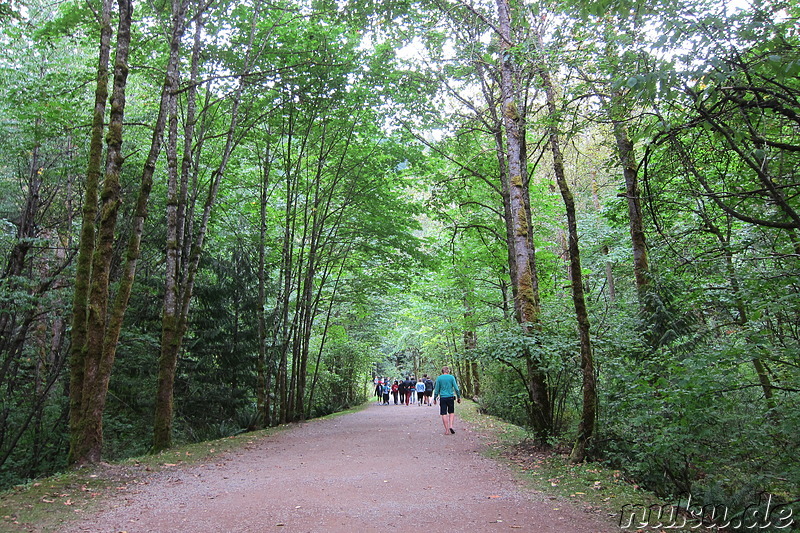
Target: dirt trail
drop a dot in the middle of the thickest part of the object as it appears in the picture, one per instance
(376, 470)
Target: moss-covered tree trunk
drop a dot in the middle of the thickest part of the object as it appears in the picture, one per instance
(522, 258)
(627, 159)
(83, 271)
(93, 354)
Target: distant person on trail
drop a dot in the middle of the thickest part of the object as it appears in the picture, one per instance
(379, 389)
(409, 384)
(402, 390)
(386, 390)
(447, 391)
(395, 391)
(420, 392)
(428, 389)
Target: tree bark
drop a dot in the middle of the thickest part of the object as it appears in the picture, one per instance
(170, 322)
(265, 357)
(589, 412)
(83, 271)
(522, 264)
(627, 159)
(87, 436)
(175, 319)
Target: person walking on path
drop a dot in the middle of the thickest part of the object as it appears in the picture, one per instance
(395, 391)
(409, 385)
(402, 390)
(428, 390)
(447, 391)
(386, 390)
(420, 392)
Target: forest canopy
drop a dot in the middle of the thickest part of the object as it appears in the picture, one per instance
(222, 216)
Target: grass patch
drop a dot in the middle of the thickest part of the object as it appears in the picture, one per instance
(589, 486)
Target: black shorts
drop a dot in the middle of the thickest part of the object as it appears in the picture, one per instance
(447, 405)
(428, 393)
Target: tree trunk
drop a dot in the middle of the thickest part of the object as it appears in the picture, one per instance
(589, 412)
(627, 159)
(525, 286)
(83, 271)
(87, 435)
(471, 383)
(265, 363)
(175, 320)
(170, 322)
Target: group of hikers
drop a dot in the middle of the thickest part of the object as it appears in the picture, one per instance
(405, 391)
(423, 391)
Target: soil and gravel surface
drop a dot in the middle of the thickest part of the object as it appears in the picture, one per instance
(375, 470)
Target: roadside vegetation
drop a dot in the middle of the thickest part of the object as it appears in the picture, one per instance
(227, 216)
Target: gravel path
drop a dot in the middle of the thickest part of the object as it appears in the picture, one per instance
(376, 470)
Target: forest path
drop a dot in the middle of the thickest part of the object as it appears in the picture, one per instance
(375, 470)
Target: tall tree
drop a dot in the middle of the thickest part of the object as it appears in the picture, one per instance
(94, 343)
(181, 271)
(554, 118)
(526, 299)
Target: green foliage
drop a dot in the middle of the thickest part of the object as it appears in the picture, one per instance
(503, 394)
(345, 367)
(128, 420)
(679, 422)
(383, 223)
(505, 354)
(216, 381)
